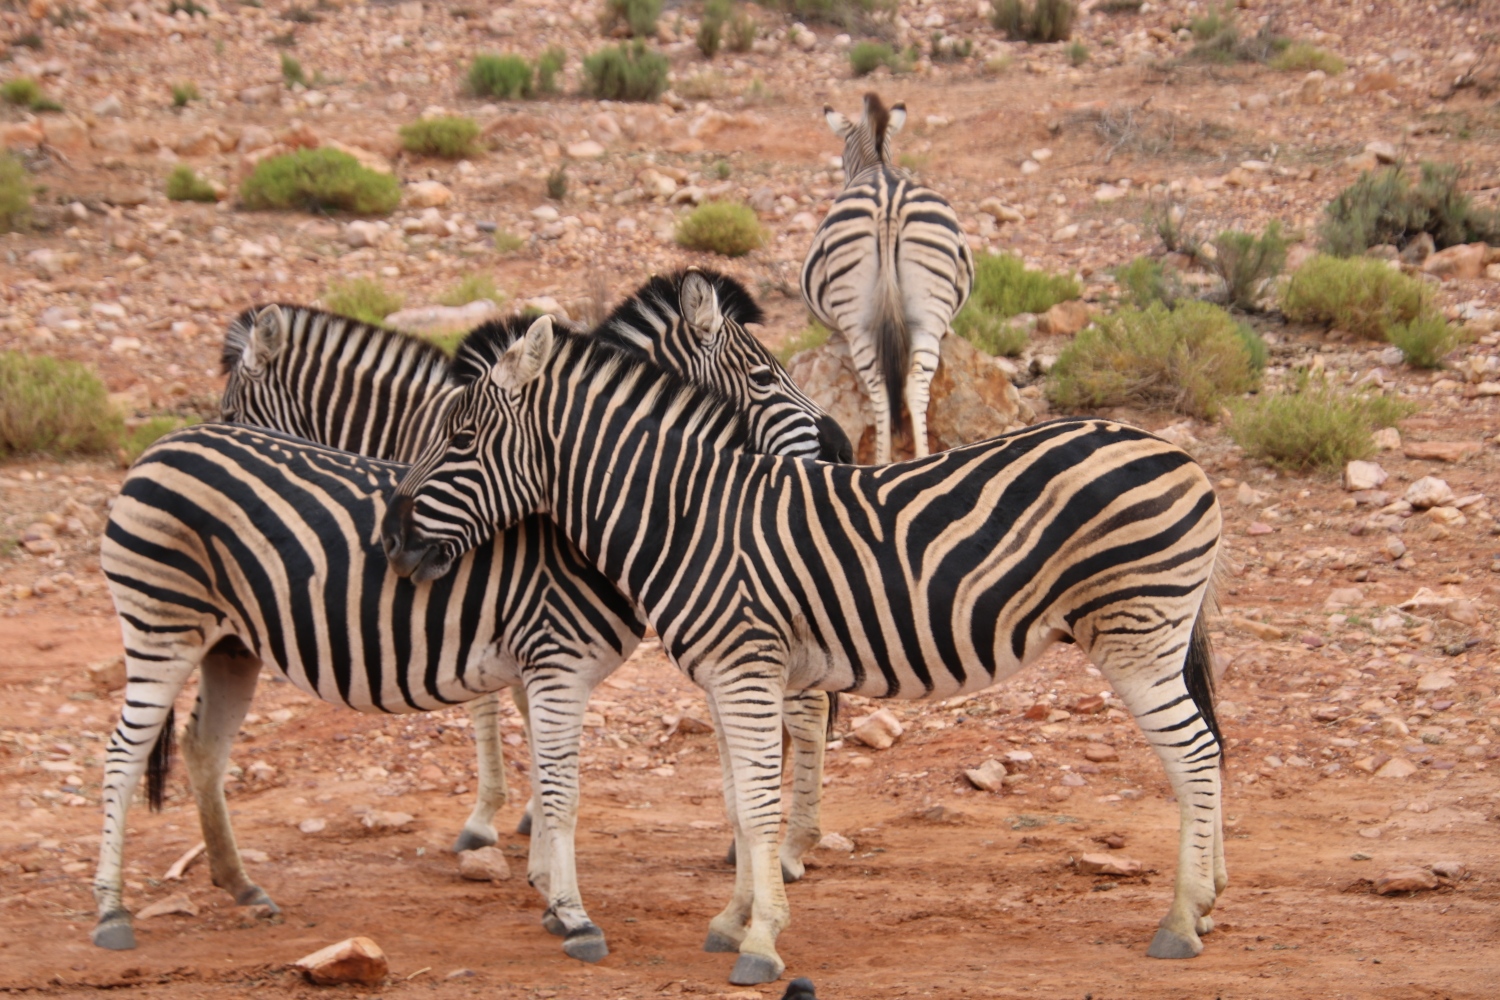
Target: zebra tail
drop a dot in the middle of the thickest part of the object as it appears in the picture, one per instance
(1198, 671)
(892, 341)
(160, 762)
(833, 713)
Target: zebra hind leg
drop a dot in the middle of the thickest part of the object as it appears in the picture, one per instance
(728, 928)
(806, 717)
(924, 363)
(226, 686)
(479, 828)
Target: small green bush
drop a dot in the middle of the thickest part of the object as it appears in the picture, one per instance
(1168, 219)
(15, 193)
(557, 183)
(134, 442)
(1119, 7)
(851, 15)
(507, 241)
(1365, 297)
(22, 90)
(742, 31)
(1145, 281)
(1427, 340)
(184, 93)
(320, 180)
(1038, 21)
(1303, 57)
(639, 16)
(1078, 54)
(291, 71)
(548, 65)
(472, 288)
(1383, 207)
(990, 333)
(722, 227)
(626, 73)
(53, 406)
(1311, 425)
(866, 57)
(1245, 261)
(450, 136)
(363, 299)
(813, 335)
(184, 184)
(711, 27)
(506, 77)
(1187, 360)
(1004, 287)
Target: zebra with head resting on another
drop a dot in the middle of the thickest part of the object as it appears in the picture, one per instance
(924, 579)
(888, 268)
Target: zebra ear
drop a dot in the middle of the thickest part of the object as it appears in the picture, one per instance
(698, 302)
(268, 336)
(898, 118)
(524, 359)
(841, 126)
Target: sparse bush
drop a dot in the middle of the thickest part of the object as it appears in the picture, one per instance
(850, 15)
(23, 90)
(15, 193)
(1038, 21)
(1311, 425)
(1119, 7)
(557, 183)
(990, 333)
(1383, 207)
(320, 180)
(813, 335)
(1303, 57)
(639, 16)
(135, 441)
(291, 71)
(1145, 281)
(949, 48)
(1219, 40)
(472, 288)
(363, 299)
(722, 227)
(1187, 360)
(507, 241)
(1245, 261)
(1078, 54)
(1427, 340)
(506, 77)
(53, 406)
(184, 184)
(184, 93)
(626, 73)
(866, 57)
(721, 170)
(711, 27)
(1169, 219)
(548, 65)
(742, 32)
(1003, 287)
(450, 137)
(1365, 297)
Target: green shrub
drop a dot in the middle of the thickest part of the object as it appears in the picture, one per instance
(548, 65)
(1245, 261)
(506, 77)
(990, 333)
(507, 241)
(813, 335)
(183, 93)
(1383, 207)
(54, 406)
(1219, 40)
(866, 57)
(1004, 287)
(1303, 57)
(1038, 21)
(43, 104)
(847, 14)
(184, 184)
(320, 180)
(557, 183)
(1169, 220)
(15, 193)
(711, 27)
(1078, 54)
(639, 16)
(722, 227)
(626, 73)
(1145, 281)
(1365, 297)
(22, 90)
(1186, 360)
(1311, 425)
(1427, 340)
(472, 288)
(742, 31)
(363, 299)
(1119, 7)
(134, 442)
(449, 136)
(291, 71)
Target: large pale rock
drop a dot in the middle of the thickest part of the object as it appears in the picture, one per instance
(1442, 451)
(1429, 491)
(1063, 319)
(442, 319)
(1462, 261)
(203, 141)
(428, 194)
(879, 731)
(107, 675)
(1109, 864)
(1405, 880)
(178, 904)
(356, 960)
(989, 776)
(1363, 476)
(486, 864)
(588, 149)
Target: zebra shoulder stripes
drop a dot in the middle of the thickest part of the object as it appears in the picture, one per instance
(888, 268)
(923, 579)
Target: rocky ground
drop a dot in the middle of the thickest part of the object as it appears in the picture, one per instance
(1360, 690)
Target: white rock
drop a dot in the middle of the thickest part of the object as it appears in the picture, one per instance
(179, 903)
(356, 960)
(312, 825)
(1065, 233)
(363, 233)
(1429, 491)
(1363, 476)
(588, 149)
(1108, 192)
(879, 730)
(486, 864)
(1396, 767)
(1387, 439)
(545, 213)
(989, 776)
(836, 842)
(1384, 152)
(1030, 167)
(1041, 155)
(384, 820)
(250, 250)
(442, 319)
(1345, 597)
(428, 194)
(109, 107)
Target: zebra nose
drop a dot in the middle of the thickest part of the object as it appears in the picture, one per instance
(834, 443)
(395, 533)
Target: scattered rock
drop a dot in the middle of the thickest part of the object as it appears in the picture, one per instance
(1396, 767)
(313, 824)
(1438, 680)
(1100, 753)
(356, 960)
(1463, 261)
(989, 776)
(107, 675)
(1384, 152)
(1001, 212)
(879, 730)
(1404, 880)
(588, 149)
(1345, 597)
(1452, 870)
(485, 864)
(428, 194)
(1261, 630)
(836, 842)
(442, 319)
(179, 903)
(1429, 491)
(1064, 319)
(381, 820)
(1387, 439)
(1442, 451)
(1363, 476)
(1375, 81)
(1109, 864)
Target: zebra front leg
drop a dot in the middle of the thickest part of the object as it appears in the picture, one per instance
(150, 689)
(806, 717)
(226, 686)
(494, 793)
(728, 928)
(518, 695)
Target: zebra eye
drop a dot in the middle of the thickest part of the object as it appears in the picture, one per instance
(763, 377)
(463, 441)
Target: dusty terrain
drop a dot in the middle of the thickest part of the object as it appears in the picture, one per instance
(949, 891)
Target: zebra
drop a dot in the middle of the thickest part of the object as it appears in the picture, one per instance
(924, 579)
(888, 268)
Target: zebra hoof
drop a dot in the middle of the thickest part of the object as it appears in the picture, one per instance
(1205, 926)
(524, 827)
(469, 840)
(552, 925)
(115, 933)
(792, 871)
(586, 944)
(731, 856)
(752, 970)
(1169, 944)
(717, 942)
(256, 896)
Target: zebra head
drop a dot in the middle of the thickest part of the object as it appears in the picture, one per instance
(256, 338)
(867, 143)
(692, 324)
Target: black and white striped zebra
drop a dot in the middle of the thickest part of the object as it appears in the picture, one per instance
(888, 268)
(924, 579)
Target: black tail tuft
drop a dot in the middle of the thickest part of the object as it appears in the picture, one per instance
(1198, 674)
(800, 989)
(833, 713)
(160, 762)
(892, 346)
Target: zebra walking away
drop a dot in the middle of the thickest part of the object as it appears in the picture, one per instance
(888, 268)
(924, 579)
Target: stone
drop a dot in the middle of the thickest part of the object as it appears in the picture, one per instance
(1396, 767)
(312, 825)
(836, 842)
(1404, 880)
(1257, 102)
(1438, 680)
(179, 903)
(1311, 89)
(106, 675)
(355, 960)
(1059, 793)
(1064, 233)
(21, 135)
(1267, 633)
(1064, 319)
(1375, 81)
(1100, 753)
(66, 133)
(1387, 439)
(588, 149)
(1249, 496)
(1453, 870)
(1442, 451)
(364, 233)
(108, 107)
(1361, 163)
(1383, 151)
(545, 213)
(989, 776)
(1465, 261)
(1464, 612)
(1363, 476)
(443, 319)
(1109, 864)
(203, 141)
(428, 194)
(1417, 250)
(1429, 491)
(1345, 597)
(383, 821)
(1000, 211)
(486, 864)
(879, 730)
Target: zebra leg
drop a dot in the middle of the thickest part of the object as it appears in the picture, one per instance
(226, 686)
(806, 717)
(479, 830)
(924, 362)
(728, 928)
(151, 688)
(518, 695)
(880, 403)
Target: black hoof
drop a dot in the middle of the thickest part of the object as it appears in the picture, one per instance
(586, 944)
(732, 856)
(115, 933)
(752, 970)
(1168, 944)
(256, 896)
(468, 840)
(552, 925)
(524, 827)
(717, 942)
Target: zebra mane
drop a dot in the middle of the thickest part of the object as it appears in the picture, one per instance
(659, 296)
(302, 321)
(482, 347)
(879, 118)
